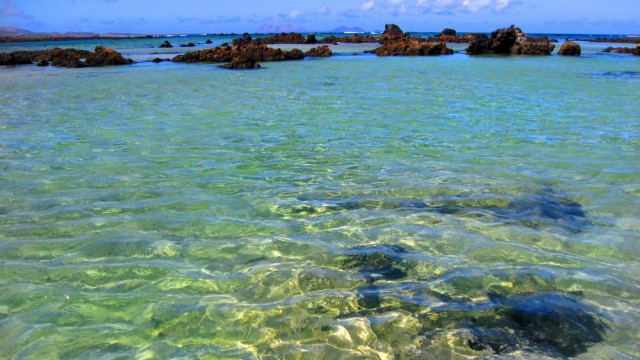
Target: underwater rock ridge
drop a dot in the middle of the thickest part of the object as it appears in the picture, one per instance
(544, 208)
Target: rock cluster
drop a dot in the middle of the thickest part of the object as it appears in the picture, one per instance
(412, 48)
(395, 42)
(509, 40)
(570, 48)
(69, 58)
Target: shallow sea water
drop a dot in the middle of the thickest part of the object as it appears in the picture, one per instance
(350, 207)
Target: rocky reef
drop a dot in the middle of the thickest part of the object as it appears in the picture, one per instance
(570, 48)
(69, 58)
(243, 54)
(623, 50)
(509, 40)
(498, 313)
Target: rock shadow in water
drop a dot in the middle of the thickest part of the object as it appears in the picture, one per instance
(544, 208)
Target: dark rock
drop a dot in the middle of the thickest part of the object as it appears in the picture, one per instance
(284, 38)
(208, 41)
(158, 60)
(241, 64)
(448, 32)
(412, 48)
(570, 48)
(311, 39)
(392, 32)
(244, 40)
(15, 58)
(103, 57)
(43, 63)
(559, 320)
(509, 40)
(320, 51)
(166, 44)
(623, 50)
(189, 44)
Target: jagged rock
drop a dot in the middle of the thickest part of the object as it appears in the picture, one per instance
(244, 40)
(320, 51)
(570, 48)
(448, 32)
(103, 56)
(252, 52)
(166, 44)
(412, 48)
(311, 39)
(392, 32)
(284, 38)
(509, 40)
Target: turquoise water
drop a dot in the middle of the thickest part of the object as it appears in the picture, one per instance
(349, 207)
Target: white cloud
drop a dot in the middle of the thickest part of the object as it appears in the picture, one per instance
(295, 14)
(323, 10)
(367, 6)
(450, 6)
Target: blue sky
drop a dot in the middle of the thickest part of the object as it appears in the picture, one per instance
(201, 16)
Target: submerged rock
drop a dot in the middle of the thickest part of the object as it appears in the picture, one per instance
(570, 48)
(376, 262)
(537, 210)
(509, 40)
(189, 44)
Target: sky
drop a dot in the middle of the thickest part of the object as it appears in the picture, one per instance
(227, 16)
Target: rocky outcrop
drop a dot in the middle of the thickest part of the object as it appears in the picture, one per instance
(570, 48)
(246, 39)
(189, 44)
(166, 44)
(243, 54)
(319, 51)
(623, 50)
(448, 32)
(392, 33)
(509, 40)
(69, 58)
(103, 57)
(412, 48)
(208, 41)
(284, 38)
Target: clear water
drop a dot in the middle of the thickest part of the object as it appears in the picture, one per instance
(185, 211)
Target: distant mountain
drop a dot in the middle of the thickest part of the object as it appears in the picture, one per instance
(278, 28)
(343, 29)
(26, 34)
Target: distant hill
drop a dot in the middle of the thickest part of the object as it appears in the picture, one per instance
(22, 33)
(343, 29)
